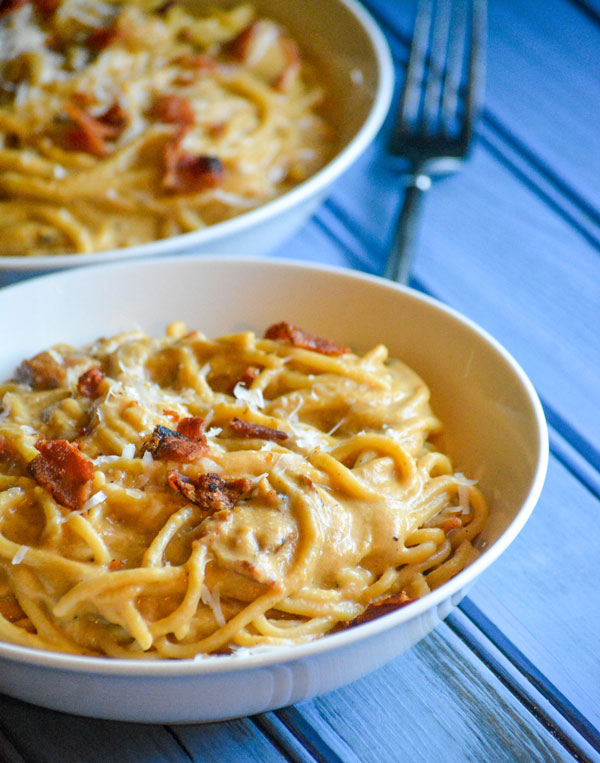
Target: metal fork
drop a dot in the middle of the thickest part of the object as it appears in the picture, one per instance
(434, 126)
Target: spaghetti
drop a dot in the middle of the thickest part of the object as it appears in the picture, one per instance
(181, 496)
(127, 122)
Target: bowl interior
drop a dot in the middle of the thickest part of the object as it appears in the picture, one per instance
(494, 426)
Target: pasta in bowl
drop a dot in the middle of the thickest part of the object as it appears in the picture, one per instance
(125, 127)
(178, 496)
(218, 526)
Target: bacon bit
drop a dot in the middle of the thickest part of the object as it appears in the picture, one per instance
(198, 61)
(88, 133)
(116, 564)
(258, 431)
(209, 491)
(46, 6)
(173, 109)
(115, 116)
(89, 382)
(192, 428)
(185, 173)
(100, 38)
(41, 372)
(384, 607)
(287, 332)
(284, 81)
(166, 6)
(63, 470)
(450, 524)
(8, 452)
(168, 444)
(8, 6)
(241, 47)
(10, 609)
(246, 378)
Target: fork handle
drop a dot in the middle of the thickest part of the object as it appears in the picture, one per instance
(405, 237)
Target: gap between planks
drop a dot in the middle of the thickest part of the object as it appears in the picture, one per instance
(565, 199)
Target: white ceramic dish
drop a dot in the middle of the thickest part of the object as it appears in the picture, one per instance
(359, 74)
(493, 416)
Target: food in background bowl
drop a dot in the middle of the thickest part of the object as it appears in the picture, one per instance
(124, 123)
(176, 496)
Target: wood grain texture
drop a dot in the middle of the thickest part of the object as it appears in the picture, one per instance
(541, 592)
(44, 735)
(36, 734)
(433, 703)
(542, 84)
(235, 740)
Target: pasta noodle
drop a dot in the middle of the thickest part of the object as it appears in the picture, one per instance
(127, 122)
(177, 496)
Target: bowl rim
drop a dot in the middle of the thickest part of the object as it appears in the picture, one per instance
(335, 167)
(261, 657)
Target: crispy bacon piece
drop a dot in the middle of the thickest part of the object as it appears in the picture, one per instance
(165, 443)
(114, 117)
(209, 491)
(192, 428)
(102, 37)
(384, 607)
(8, 6)
(41, 372)
(185, 173)
(174, 109)
(63, 470)
(89, 382)
(10, 609)
(288, 76)
(254, 43)
(297, 337)
(255, 37)
(246, 378)
(46, 6)
(451, 524)
(198, 61)
(249, 430)
(88, 133)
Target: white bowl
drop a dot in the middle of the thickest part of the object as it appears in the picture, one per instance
(492, 413)
(343, 38)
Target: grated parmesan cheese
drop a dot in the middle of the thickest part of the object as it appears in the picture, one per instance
(213, 600)
(128, 451)
(253, 397)
(20, 555)
(94, 500)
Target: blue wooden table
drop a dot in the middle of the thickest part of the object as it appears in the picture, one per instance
(513, 241)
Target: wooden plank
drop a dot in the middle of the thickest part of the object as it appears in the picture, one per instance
(236, 741)
(45, 735)
(500, 255)
(435, 702)
(541, 89)
(37, 734)
(541, 592)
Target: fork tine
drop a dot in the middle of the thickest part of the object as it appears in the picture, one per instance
(454, 66)
(411, 93)
(437, 64)
(475, 89)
